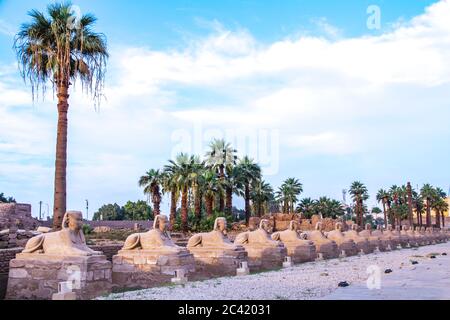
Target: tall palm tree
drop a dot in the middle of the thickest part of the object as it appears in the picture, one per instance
(306, 207)
(383, 197)
(197, 169)
(151, 182)
(409, 192)
(359, 194)
(288, 193)
(248, 172)
(61, 50)
(440, 206)
(429, 194)
(184, 176)
(169, 185)
(211, 188)
(260, 195)
(220, 157)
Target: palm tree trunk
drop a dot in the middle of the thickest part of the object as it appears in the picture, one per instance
(384, 211)
(173, 207)
(229, 200)
(209, 205)
(428, 213)
(247, 203)
(198, 204)
(443, 220)
(438, 218)
(221, 199)
(391, 218)
(184, 209)
(156, 199)
(59, 204)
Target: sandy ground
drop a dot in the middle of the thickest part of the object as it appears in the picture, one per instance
(429, 279)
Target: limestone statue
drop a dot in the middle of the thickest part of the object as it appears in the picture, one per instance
(69, 241)
(215, 238)
(259, 236)
(374, 240)
(404, 239)
(392, 236)
(412, 239)
(298, 249)
(361, 242)
(156, 238)
(421, 239)
(346, 245)
(324, 246)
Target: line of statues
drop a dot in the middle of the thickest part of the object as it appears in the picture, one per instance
(154, 252)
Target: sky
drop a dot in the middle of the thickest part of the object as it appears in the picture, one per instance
(316, 90)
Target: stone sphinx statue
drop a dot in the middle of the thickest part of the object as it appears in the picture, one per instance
(430, 232)
(403, 238)
(214, 253)
(150, 258)
(263, 252)
(69, 241)
(155, 239)
(427, 238)
(386, 242)
(420, 238)
(374, 240)
(392, 236)
(299, 249)
(409, 232)
(327, 248)
(361, 242)
(345, 244)
(216, 238)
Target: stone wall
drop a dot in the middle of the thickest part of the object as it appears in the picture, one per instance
(5, 256)
(17, 215)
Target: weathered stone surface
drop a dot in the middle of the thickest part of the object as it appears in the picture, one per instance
(36, 276)
(148, 268)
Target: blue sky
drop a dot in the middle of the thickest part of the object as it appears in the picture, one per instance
(332, 100)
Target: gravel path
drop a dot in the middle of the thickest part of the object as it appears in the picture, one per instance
(314, 280)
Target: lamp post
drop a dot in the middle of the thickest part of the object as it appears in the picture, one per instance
(40, 210)
(87, 209)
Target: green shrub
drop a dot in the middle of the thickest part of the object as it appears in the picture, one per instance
(205, 224)
(87, 229)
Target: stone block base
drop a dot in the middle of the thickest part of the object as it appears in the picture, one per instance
(218, 261)
(265, 258)
(149, 268)
(301, 253)
(350, 248)
(364, 247)
(328, 250)
(36, 276)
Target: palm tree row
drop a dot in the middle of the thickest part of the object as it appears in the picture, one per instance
(324, 207)
(211, 183)
(400, 202)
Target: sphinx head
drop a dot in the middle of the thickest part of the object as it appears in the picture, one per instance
(161, 222)
(405, 227)
(293, 225)
(264, 224)
(339, 226)
(73, 220)
(220, 224)
(389, 227)
(354, 227)
(369, 226)
(378, 227)
(319, 226)
(397, 228)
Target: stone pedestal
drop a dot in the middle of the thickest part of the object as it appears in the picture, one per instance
(218, 261)
(329, 250)
(149, 268)
(36, 276)
(262, 257)
(301, 253)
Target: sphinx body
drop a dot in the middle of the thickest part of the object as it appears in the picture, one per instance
(422, 231)
(324, 246)
(393, 237)
(150, 258)
(374, 240)
(361, 242)
(403, 238)
(69, 241)
(214, 253)
(298, 249)
(263, 252)
(420, 238)
(385, 239)
(413, 240)
(432, 235)
(345, 244)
